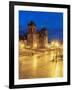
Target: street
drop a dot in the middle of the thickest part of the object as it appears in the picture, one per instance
(39, 65)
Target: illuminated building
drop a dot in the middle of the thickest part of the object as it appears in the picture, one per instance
(43, 38)
(21, 44)
(32, 36)
(36, 39)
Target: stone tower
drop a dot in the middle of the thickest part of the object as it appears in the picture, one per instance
(32, 35)
(43, 38)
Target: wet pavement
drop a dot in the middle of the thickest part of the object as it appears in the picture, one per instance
(40, 65)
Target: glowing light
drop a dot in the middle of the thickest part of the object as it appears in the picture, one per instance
(21, 45)
(55, 43)
(35, 45)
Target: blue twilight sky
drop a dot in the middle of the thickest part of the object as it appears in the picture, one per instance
(53, 21)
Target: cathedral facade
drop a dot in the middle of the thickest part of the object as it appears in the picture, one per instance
(37, 39)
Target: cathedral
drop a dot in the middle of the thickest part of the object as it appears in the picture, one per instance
(37, 39)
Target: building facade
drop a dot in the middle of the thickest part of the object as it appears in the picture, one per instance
(37, 39)
(43, 38)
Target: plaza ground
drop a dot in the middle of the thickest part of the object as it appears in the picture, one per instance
(39, 63)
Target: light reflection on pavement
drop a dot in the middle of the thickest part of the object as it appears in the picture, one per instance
(40, 66)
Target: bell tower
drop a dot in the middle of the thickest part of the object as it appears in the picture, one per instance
(31, 27)
(32, 35)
